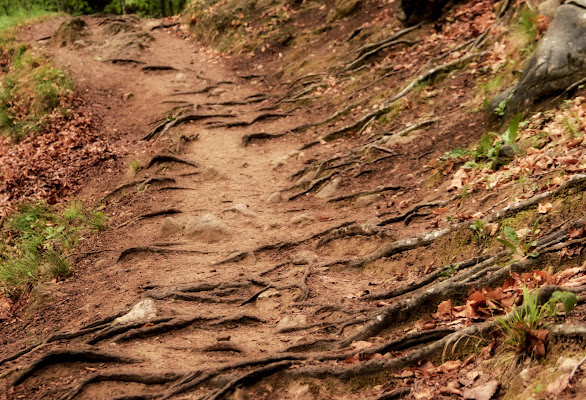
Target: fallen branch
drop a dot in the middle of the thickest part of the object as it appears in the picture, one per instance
(246, 139)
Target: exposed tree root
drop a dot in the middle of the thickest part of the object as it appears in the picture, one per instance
(150, 181)
(352, 230)
(313, 185)
(125, 61)
(360, 59)
(395, 394)
(166, 158)
(156, 250)
(250, 377)
(169, 211)
(66, 356)
(115, 330)
(350, 196)
(280, 245)
(205, 89)
(165, 25)
(149, 68)
(122, 376)
(258, 118)
(372, 46)
(164, 127)
(246, 139)
(356, 126)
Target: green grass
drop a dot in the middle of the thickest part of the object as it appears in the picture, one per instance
(35, 242)
(30, 87)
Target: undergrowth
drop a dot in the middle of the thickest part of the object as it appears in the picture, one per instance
(35, 241)
(30, 88)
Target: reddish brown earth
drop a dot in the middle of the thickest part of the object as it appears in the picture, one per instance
(262, 300)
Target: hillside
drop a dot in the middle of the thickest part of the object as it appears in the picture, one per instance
(297, 200)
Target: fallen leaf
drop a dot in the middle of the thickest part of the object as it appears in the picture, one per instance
(444, 310)
(558, 386)
(482, 392)
(5, 307)
(575, 232)
(544, 208)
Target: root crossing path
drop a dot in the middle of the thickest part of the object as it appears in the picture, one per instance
(219, 275)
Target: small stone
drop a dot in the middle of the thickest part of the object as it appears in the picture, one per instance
(127, 96)
(169, 227)
(364, 201)
(274, 198)
(143, 311)
(242, 209)
(548, 7)
(207, 228)
(329, 189)
(397, 140)
(304, 257)
(279, 162)
(567, 364)
(299, 391)
(302, 219)
(210, 173)
(482, 392)
(267, 294)
(290, 321)
(180, 77)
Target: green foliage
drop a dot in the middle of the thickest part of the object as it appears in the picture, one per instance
(500, 109)
(480, 231)
(449, 270)
(36, 239)
(31, 89)
(524, 247)
(491, 143)
(530, 316)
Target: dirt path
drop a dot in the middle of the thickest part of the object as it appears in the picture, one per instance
(278, 269)
(228, 184)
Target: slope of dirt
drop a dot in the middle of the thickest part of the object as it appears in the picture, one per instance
(256, 251)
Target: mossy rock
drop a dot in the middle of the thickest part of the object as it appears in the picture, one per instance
(343, 9)
(70, 31)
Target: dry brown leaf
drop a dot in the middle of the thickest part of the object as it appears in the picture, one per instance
(482, 392)
(444, 310)
(544, 208)
(5, 308)
(558, 386)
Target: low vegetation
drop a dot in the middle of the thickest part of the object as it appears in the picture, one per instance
(36, 240)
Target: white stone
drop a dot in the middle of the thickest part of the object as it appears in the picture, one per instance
(145, 310)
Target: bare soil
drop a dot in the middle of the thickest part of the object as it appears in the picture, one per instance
(272, 294)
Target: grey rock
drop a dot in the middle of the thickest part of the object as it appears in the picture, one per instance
(329, 189)
(302, 219)
(303, 257)
(291, 321)
(207, 228)
(558, 61)
(548, 7)
(127, 96)
(210, 174)
(242, 209)
(505, 155)
(343, 9)
(169, 227)
(274, 198)
(567, 364)
(364, 201)
(143, 311)
(267, 294)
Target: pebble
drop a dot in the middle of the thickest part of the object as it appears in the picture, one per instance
(329, 189)
(274, 198)
(302, 219)
(207, 228)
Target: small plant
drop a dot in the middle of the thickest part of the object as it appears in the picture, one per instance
(524, 247)
(480, 231)
(136, 166)
(524, 328)
(500, 109)
(449, 270)
(491, 143)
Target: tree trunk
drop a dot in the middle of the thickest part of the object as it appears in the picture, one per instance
(122, 7)
(163, 8)
(26, 6)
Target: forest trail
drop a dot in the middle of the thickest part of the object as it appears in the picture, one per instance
(251, 256)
